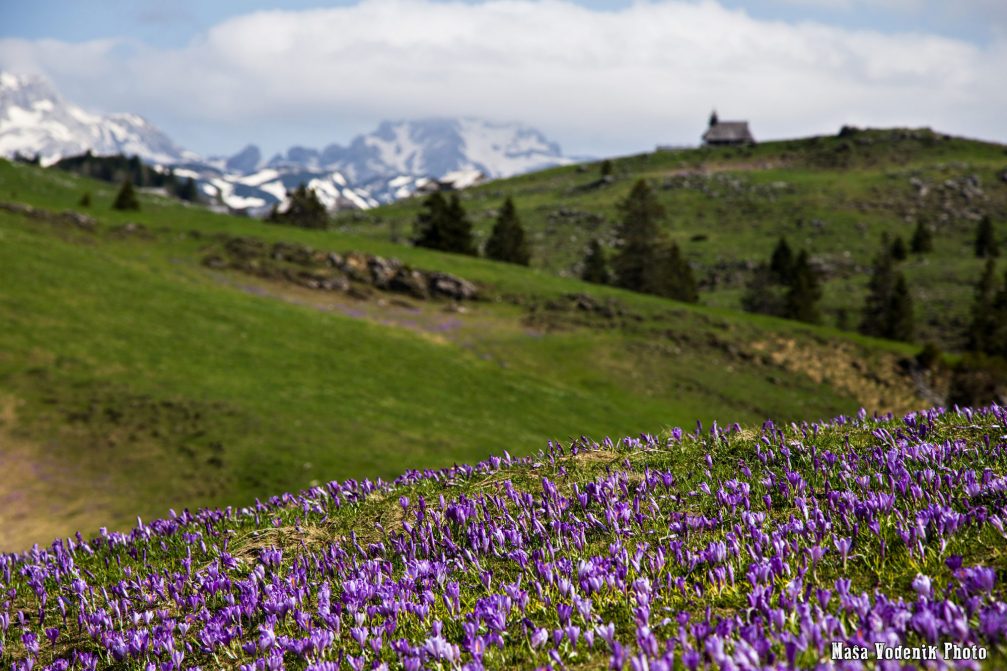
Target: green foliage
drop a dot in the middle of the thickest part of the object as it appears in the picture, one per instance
(595, 264)
(986, 242)
(929, 357)
(444, 226)
(296, 385)
(671, 276)
(782, 262)
(116, 169)
(126, 198)
(923, 239)
(606, 168)
(824, 194)
(304, 210)
(787, 287)
(804, 292)
(763, 293)
(507, 241)
(898, 250)
(187, 191)
(637, 236)
(430, 222)
(888, 308)
(902, 324)
(977, 379)
(982, 331)
(85, 200)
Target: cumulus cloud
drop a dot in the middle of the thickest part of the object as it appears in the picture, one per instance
(598, 81)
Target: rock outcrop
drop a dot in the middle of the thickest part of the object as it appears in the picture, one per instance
(331, 271)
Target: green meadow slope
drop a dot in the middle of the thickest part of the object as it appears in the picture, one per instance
(727, 207)
(134, 378)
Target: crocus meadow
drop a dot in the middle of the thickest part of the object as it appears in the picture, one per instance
(797, 546)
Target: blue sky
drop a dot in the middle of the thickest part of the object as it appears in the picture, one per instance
(599, 77)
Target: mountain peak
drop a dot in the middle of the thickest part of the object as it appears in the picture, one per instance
(435, 147)
(35, 120)
(245, 161)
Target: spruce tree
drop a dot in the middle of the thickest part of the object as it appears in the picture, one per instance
(763, 294)
(900, 311)
(126, 198)
(595, 264)
(187, 191)
(85, 200)
(637, 235)
(986, 242)
(997, 345)
(507, 241)
(982, 330)
(804, 292)
(606, 168)
(782, 262)
(458, 229)
(430, 222)
(888, 309)
(304, 210)
(671, 276)
(923, 240)
(899, 249)
(874, 320)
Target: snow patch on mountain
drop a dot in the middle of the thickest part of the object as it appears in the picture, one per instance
(35, 120)
(397, 160)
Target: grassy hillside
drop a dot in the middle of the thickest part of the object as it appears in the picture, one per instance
(727, 207)
(134, 378)
(733, 548)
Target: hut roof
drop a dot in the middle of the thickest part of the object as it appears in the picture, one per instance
(728, 131)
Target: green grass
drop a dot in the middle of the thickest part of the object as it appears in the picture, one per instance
(833, 196)
(134, 379)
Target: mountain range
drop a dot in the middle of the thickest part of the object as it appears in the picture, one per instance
(392, 162)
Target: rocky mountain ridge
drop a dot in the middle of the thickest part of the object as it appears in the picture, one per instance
(394, 161)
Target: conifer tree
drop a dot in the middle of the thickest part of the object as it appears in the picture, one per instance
(187, 191)
(804, 292)
(126, 198)
(899, 249)
(507, 241)
(888, 309)
(671, 276)
(982, 330)
(997, 345)
(763, 293)
(900, 311)
(458, 231)
(986, 243)
(430, 222)
(874, 321)
(595, 264)
(85, 200)
(304, 210)
(922, 241)
(782, 262)
(637, 235)
(606, 168)
(442, 224)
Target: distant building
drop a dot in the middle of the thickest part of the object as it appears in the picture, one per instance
(731, 133)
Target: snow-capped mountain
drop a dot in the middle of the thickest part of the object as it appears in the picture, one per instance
(435, 148)
(395, 161)
(35, 120)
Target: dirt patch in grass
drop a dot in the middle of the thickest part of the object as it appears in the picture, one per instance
(878, 383)
(41, 495)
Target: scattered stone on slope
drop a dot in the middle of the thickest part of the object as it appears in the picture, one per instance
(67, 218)
(354, 273)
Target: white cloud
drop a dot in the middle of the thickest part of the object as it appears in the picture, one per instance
(596, 81)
